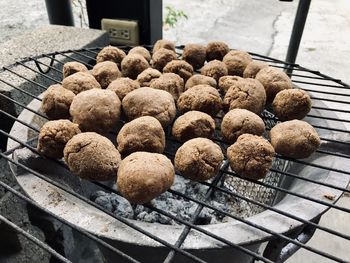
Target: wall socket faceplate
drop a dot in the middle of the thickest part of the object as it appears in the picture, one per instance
(125, 32)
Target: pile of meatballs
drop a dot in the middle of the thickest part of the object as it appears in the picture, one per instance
(157, 92)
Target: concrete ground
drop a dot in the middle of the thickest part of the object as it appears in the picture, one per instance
(259, 26)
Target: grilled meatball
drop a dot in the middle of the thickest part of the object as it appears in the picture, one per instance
(105, 72)
(80, 81)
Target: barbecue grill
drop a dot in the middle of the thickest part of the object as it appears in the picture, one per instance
(281, 210)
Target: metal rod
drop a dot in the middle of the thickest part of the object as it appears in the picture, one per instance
(60, 12)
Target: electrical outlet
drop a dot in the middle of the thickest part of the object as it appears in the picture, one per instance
(125, 32)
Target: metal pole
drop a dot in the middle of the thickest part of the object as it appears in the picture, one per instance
(60, 12)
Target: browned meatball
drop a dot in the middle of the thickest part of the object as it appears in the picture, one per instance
(133, 64)
(80, 81)
(92, 156)
(251, 156)
(201, 98)
(195, 54)
(291, 104)
(179, 67)
(273, 80)
(123, 86)
(96, 110)
(216, 50)
(200, 79)
(193, 124)
(144, 134)
(296, 139)
(146, 77)
(141, 51)
(226, 82)
(150, 102)
(171, 83)
(110, 53)
(105, 72)
(198, 159)
(162, 57)
(56, 102)
(246, 94)
(253, 68)
(239, 121)
(54, 135)
(70, 68)
(236, 61)
(143, 176)
(215, 69)
(163, 43)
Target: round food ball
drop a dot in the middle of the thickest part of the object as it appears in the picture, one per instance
(226, 82)
(200, 79)
(251, 156)
(201, 98)
(169, 82)
(123, 86)
(146, 77)
(273, 80)
(179, 67)
(291, 104)
(56, 102)
(215, 69)
(143, 176)
(54, 135)
(133, 64)
(296, 139)
(216, 50)
(141, 51)
(80, 81)
(110, 53)
(150, 102)
(253, 68)
(144, 134)
(239, 121)
(70, 68)
(163, 43)
(162, 57)
(198, 159)
(92, 156)
(96, 110)
(246, 94)
(194, 54)
(193, 124)
(105, 72)
(236, 61)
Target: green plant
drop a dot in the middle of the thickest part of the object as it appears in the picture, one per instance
(173, 16)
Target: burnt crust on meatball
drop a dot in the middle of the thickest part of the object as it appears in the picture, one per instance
(246, 94)
(253, 68)
(239, 121)
(194, 54)
(198, 159)
(92, 156)
(251, 156)
(162, 57)
(105, 72)
(226, 82)
(110, 53)
(80, 81)
(150, 102)
(141, 51)
(291, 104)
(72, 67)
(179, 67)
(216, 50)
(163, 43)
(54, 136)
(171, 83)
(193, 124)
(144, 134)
(215, 69)
(236, 61)
(143, 176)
(201, 98)
(133, 64)
(56, 102)
(200, 79)
(146, 77)
(296, 139)
(96, 110)
(123, 86)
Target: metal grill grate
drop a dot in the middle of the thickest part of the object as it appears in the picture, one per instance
(330, 116)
